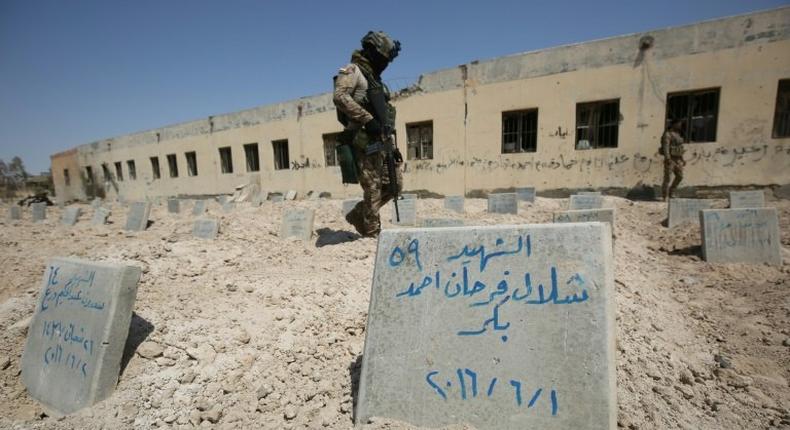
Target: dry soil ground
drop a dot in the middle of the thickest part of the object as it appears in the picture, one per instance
(252, 331)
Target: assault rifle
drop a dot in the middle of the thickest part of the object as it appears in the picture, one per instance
(380, 109)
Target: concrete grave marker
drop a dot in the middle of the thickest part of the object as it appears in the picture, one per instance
(685, 211)
(14, 212)
(205, 228)
(587, 215)
(526, 194)
(96, 202)
(454, 203)
(407, 209)
(100, 216)
(503, 203)
(137, 218)
(747, 199)
(298, 223)
(39, 211)
(409, 196)
(348, 205)
(70, 216)
(78, 332)
(277, 198)
(441, 222)
(290, 195)
(223, 199)
(228, 206)
(173, 206)
(501, 327)
(585, 201)
(589, 193)
(199, 208)
(259, 198)
(748, 235)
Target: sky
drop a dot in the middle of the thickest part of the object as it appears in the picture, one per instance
(73, 72)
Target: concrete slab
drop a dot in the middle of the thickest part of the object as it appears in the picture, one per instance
(441, 222)
(747, 199)
(454, 203)
(97, 202)
(503, 203)
(222, 199)
(290, 195)
(501, 327)
(228, 206)
(685, 211)
(137, 217)
(70, 216)
(585, 201)
(173, 206)
(100, 216)
(277, 198)
(199, 208)
(78, 332)
(205, 228)
(587, 215)
(298, 223)
(408, 196)
(14, 212)
(748, 235)
(589, 193)
(526, 194)
(348, 205)
(407, 209)
(39, 211)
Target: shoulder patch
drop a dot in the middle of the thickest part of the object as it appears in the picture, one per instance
(348, 69)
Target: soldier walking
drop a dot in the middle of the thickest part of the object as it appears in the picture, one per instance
(672, 150)
(363, 106)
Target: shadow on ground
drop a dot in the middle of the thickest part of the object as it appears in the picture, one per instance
(354, 370)
(327, 236)
(139, 329)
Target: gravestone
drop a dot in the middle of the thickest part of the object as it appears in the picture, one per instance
(348, 205)
(312, 195)
(39, 211)
(589, 193)
(298, 223)
(290, 195)
(277, 198)
(205, 228)
(223, 199)
(173, 206)
(259, 198)
(96, 202)
(685, 211)
(409, 196)
(199, 208)
(441, 222)
(100, 216)
(585, 201)
(70, 216)
(501, 327)
(407, 209)
(454, 203)
(747, 199)
(587, 215)
(137, 217)
(748, 235)
(78, 332)
(228, 206)
(526, 194)
(502, 203)
(14, 212)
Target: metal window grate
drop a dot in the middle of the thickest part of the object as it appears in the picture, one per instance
(782, 114)
(132, 170)
(226, 160)
(419, 141)
(597, 124)
(699, 112)
(330, 145)
(155, 167)
(172, 163)
(119, 170)
(281, 161)
(192, 169)
(520, 131)
(251, 154)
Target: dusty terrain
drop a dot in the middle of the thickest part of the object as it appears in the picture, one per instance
(252, 331)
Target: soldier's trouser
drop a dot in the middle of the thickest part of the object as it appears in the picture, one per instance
(375, 183)
(673, 165)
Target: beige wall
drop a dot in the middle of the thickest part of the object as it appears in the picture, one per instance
(67, 160)
(467, 122)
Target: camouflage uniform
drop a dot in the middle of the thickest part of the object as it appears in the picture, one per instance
(350, 94)
(672, 150)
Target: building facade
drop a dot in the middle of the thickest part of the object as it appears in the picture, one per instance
(588, 115)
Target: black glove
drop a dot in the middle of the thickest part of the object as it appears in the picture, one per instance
(397, 156)
(373, 128)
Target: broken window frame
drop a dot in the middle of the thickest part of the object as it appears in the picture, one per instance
(520, 129)
(330, 148)
(781, 128)
(599, 122)
(252, 157)
(192, 167)
(226, 159)
(155, 169)
(130, 166)
(172, 165)
(119, 171)
(281, 156)
(695, 108)
(419, 140)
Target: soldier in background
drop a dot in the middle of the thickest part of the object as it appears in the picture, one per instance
(368, 127)
(672, 150)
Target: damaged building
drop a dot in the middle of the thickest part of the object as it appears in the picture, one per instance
(587, 115)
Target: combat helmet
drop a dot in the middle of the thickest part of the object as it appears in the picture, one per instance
(382, 43)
